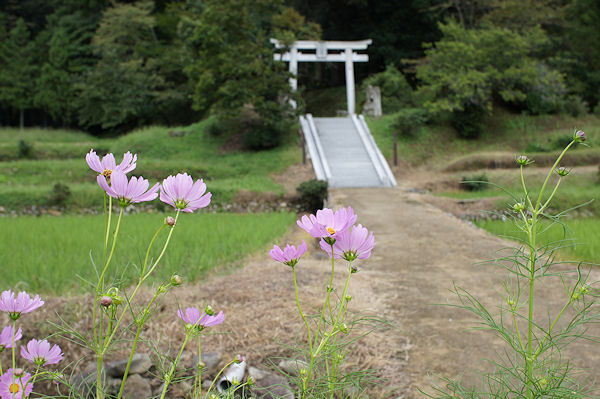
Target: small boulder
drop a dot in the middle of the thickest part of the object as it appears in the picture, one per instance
(137, 387)
(269, 385)
(140, 363)
(292, 367)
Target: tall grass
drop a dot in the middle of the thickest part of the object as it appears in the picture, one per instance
(584, 247)
(56, 254)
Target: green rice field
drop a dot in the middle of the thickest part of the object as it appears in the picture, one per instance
(57, 254)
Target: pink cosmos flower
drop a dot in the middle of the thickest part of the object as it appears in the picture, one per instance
(181, 192)
(23, 303)
(351, 244)
(40, 353)
(290, 255)
(6, 337)
(15, 386)
(327, 223)
(192, 317)
(108, 163)
(134, 191)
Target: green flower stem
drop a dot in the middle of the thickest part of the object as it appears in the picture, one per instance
(164, 247)
(140, 324)
(517, 330)
(532, 259)
(107, 215)
(548, 334)
(112, 251)
(525, 189)
(326, 304)
(135, 341)
(300, 308)
(215, 379)
(139, 284)
(37, 370)
(313, 356)
(335, 328)
(539, 200)
(142, 274)
(198, 379)
(99, 365)
(551, 195)
(341, 316)
(14, 362)
(305, 380)
(169, 375)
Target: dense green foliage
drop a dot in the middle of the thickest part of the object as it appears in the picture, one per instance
(113, 66)
(313, 193)
(56, 255)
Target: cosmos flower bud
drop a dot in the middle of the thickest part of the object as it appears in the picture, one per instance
(209, 310)
(579, 136)
(250, 381)
(354, 269)
(303, 371)
(235, 381)
(562, 171)
(238, 359)
(519, 207)
(523, 160)
(170, 221)
(106, 301)
(348, 298)
(176, 280)
(18, 372)
(344, 328)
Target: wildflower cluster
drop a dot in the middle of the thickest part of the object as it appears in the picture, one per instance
(340, 239)
(16, 382)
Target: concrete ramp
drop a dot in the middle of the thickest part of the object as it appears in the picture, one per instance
(344, 153)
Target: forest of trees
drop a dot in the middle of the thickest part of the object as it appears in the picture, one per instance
(109, 66)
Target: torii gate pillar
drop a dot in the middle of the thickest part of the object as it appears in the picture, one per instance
(322, 54)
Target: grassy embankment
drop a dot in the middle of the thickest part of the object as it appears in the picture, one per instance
(437, 149)
(58, 157)
(57, 254)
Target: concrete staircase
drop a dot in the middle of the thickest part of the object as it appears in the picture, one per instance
(344, 153)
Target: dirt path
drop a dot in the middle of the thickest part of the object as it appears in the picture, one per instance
(420, 252)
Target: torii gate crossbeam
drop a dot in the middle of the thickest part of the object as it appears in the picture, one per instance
(343, 52)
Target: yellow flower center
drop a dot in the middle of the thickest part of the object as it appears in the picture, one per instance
(331, 230)
(13, 388)
(107, 173)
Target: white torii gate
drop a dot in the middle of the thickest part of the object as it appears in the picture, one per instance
(322, 54)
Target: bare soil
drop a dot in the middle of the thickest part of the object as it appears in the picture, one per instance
(421, 252)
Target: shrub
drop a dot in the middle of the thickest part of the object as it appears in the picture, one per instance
(25, 149)
(396, 93)
(546, 95)
(59, 195)
(410, 118)
(575, 106)
(468, 123)
(312, 194)
(474, 183)
(536, 147)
